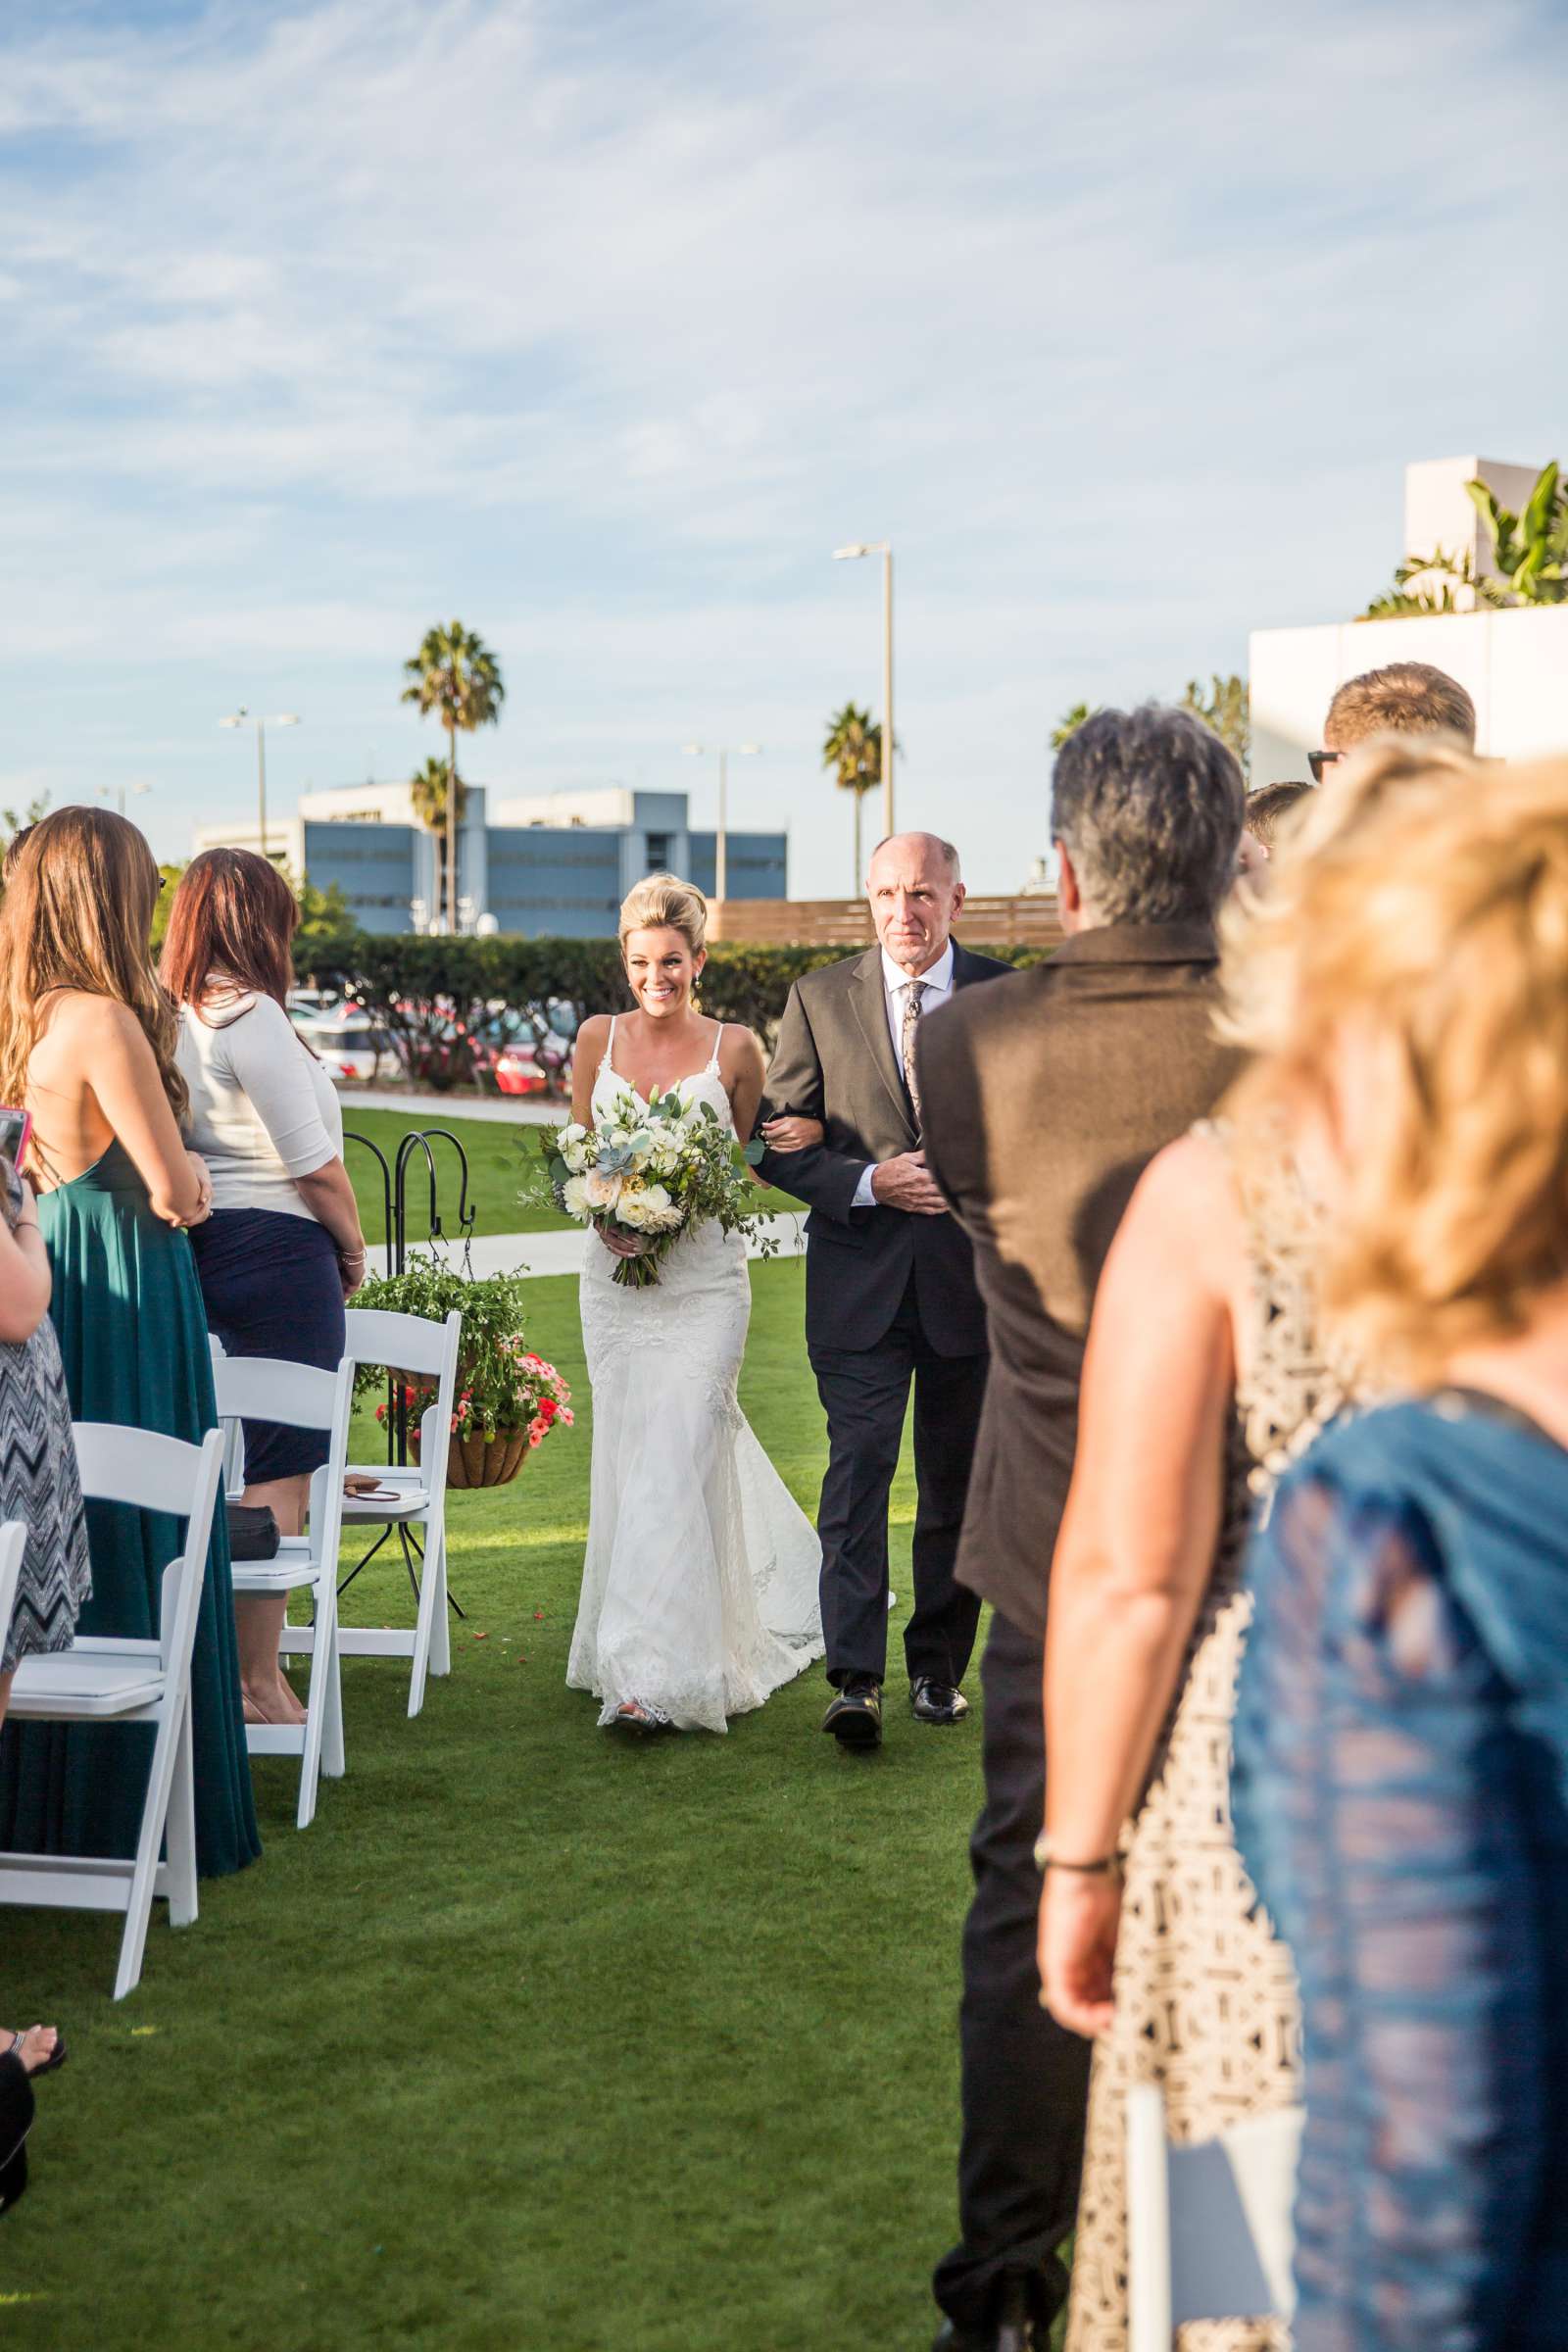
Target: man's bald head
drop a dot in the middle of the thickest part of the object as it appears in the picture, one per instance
(931, 844)
(915, 888)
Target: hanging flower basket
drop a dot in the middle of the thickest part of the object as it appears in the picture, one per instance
(507, 1400)
(480, 1461)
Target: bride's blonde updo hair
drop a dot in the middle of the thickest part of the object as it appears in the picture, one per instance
(663, 903)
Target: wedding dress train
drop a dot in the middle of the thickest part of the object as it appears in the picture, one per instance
(699, 1583)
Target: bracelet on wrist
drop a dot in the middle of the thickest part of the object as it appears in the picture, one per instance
(1104, 1866)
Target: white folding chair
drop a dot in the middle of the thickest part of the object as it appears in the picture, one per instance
(1209, 2230)
(12, 1544)
(409, 1344)
(234, 1432)
(264, 1388)
(109, 1679)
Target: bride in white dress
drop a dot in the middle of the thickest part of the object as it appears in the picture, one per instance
(700, 1584)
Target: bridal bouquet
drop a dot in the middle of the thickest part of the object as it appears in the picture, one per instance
(651, 1171)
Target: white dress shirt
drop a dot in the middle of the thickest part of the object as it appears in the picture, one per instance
(937, 984)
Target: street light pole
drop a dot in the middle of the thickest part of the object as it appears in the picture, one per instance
(884, 549)
(104, 791)
(278, 718)
(744, 750)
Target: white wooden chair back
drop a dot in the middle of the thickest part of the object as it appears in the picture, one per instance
(430, 1350)
(416, 1344)
(153, 1473)
(407, 1342)
(1209, 2228)
(128, 1679)
(302, 1396)
(12, 1544)
(233, 1435)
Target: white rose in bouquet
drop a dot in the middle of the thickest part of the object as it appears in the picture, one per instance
(574, 1196)
(572, 1145)
(632, 1209)
(659, 1213)
(601, 1190)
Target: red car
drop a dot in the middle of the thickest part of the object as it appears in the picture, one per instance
(516, 1071)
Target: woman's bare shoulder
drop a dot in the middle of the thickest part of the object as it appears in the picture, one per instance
(1187, 1197)
(738, 1045)
(591, 1032)
(81, 1014)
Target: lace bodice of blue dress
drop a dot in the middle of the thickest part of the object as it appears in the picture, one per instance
(1402, 1762)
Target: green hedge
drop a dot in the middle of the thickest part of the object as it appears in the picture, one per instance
(421, 987)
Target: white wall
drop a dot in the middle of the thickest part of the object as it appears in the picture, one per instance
(1514, 666)
(285, 839)
(607, 804)
(1439, 515)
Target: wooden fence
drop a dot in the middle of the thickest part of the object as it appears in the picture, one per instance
(1021, 922)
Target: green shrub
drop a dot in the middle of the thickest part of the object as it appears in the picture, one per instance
(419, 988)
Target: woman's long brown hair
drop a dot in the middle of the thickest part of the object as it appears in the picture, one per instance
(76, 913)
(232, 923)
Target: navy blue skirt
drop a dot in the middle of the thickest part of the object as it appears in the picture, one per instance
(272, 1287)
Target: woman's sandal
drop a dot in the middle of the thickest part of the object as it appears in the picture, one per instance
(55, 2057)
(630, 1717)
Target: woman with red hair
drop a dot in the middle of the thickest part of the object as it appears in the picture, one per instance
(283, 1249)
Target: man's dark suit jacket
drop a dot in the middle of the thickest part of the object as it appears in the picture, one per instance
(1046, 1096)
(834, 1062)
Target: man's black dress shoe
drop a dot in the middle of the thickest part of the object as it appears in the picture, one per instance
(936, 1702)
(1014, 2332)
(855, 1715)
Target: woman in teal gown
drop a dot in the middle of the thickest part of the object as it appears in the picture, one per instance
(86, 1039)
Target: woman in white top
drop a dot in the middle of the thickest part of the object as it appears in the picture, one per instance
(283, 1249)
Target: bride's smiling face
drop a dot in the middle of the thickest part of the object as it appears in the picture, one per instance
(662, 971)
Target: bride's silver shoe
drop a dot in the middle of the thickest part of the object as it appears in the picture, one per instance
(633, 1717)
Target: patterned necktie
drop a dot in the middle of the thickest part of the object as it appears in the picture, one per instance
(914, 992)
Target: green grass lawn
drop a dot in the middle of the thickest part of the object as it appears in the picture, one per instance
(536, 2038)
(498, 1156)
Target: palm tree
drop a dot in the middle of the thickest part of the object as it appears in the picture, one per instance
(455, 674)
(429, 788)
(853, 750)
(1069, 723)
(1529, 559)
(1226, 710)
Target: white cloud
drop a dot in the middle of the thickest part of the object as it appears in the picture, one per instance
(601, 326)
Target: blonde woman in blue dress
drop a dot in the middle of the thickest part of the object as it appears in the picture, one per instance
(699, 1584)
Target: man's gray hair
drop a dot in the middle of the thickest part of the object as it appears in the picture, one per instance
(1149, 806)
(944, 849)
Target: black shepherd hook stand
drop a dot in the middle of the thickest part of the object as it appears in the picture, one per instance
(395, 1238)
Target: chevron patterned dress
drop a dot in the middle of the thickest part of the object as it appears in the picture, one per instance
(38, 1485)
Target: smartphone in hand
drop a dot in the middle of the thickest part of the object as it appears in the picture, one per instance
(15, 1134)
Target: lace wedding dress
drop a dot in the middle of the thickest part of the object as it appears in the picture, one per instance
(700, 1584)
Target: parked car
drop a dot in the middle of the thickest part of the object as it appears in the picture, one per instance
(350, 1047)
(517, 1070)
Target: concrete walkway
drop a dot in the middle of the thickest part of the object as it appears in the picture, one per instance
(561, 1251)
(439, 1111)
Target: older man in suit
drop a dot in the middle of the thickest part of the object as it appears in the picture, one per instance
(1044, 1096)
(890, 1293)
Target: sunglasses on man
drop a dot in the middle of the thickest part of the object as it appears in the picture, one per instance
(1317, 761)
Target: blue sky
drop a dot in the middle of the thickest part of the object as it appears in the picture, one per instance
(599, 326)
